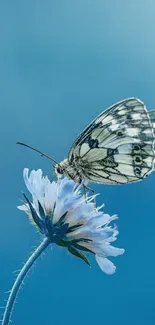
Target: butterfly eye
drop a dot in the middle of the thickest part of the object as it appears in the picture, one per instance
(59, 170)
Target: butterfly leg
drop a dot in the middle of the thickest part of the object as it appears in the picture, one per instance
(52, 179)
(88, 188)
(85, 187)
(85, 193)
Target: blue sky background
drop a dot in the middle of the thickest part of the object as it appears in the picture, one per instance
(61, 64)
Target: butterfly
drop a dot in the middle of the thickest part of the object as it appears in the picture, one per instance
(118, 147)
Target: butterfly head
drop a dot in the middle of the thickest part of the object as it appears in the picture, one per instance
(59, 170)
(64, 168)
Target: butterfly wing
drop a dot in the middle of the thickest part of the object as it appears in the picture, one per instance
(152, 118)
(118, 146)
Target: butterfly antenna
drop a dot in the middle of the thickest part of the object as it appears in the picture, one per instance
(42, 154)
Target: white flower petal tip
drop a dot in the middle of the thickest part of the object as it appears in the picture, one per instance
(22, 207)
(100, 207)
(105, 265)
(122, 251)
(67, 218)
(114, 217)
(92, 197)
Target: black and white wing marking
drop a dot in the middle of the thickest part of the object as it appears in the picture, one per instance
(152, 118)
(118, 146)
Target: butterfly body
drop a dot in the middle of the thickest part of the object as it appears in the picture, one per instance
(71, 170)
(116, 148)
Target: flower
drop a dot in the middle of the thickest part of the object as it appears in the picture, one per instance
(63, 215)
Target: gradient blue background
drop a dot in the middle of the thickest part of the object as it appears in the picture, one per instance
(61, 64)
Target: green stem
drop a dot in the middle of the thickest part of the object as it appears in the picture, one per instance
(20, 278)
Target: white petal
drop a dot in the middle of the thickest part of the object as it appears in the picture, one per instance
(80, 213)
(114, 235)
(34, 182)
(112, 251)
(100, 235)
(41, 188)
(26, 179)
(38, 183)
(66, 200)
(82, 232)
(100, 207)
(63, 206)
(106, 266)
(106, 250)
(50, 196)
(98, 220)
(23, 207)
(66, 187)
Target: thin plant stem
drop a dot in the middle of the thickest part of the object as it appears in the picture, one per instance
(20, 278)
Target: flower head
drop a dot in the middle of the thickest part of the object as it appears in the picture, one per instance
(63, 215)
